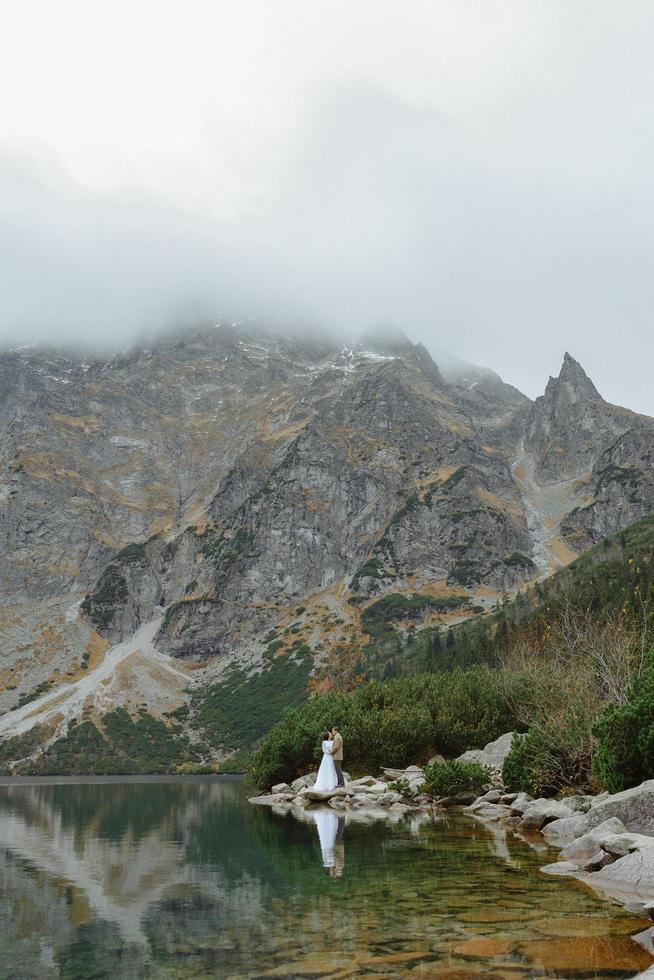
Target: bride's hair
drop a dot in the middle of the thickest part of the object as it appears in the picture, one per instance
(327, 736)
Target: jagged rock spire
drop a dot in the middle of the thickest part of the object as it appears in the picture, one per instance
(572, 385)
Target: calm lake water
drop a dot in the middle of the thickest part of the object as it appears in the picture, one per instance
(186, 879)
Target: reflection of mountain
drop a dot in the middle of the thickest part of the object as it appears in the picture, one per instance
(163, 881)
(115, 851)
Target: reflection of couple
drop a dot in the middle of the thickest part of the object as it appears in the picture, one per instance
(330, 833)
(330, 774)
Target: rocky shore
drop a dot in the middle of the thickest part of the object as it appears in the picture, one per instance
(605, 841)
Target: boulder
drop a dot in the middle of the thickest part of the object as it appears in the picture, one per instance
(520, 803)
(539, 812)
(492, 796)
(508, 797)
(584, 847)
(282, 788)
(301, 782)
(337, 803)
(362, 781)
(620, 844)
(492, 755)
(558, 833)
(635, 807)
(579, 803)
(400, 808)
(630, 877)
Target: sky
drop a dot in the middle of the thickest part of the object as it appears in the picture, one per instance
(477, 173)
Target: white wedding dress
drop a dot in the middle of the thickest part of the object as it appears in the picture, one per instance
(327, 778)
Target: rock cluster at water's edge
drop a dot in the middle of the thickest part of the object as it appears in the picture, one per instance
(606, 841)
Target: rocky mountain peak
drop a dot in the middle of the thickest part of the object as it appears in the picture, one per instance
(572, 385)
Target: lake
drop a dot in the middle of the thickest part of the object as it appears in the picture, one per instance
(182, 878)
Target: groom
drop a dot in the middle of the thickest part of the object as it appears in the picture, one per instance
(337, 754)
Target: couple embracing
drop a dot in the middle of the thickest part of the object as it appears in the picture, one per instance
(330, 774)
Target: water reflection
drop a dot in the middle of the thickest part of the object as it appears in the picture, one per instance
(186, 880)
(331, 830)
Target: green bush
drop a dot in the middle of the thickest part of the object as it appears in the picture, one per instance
(546, 760)
(453, 777)
(393, 723)
(625, 748)
(403, 787)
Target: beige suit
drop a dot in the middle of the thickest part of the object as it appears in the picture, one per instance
(337, 755)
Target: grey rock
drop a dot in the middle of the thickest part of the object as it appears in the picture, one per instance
(634, 807)
(520, 803)
(584, 847)
(630, 877)
(492, 755)
(492, 796)
(282, 788)
(269, 799)
(561, 832)
(539, 812)
(579, 803)
(619, 844)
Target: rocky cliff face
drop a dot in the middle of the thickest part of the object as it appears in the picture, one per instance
(571, 425)
(242, 483)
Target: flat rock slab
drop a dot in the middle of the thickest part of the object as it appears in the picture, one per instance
(269, 799)
(630, 877)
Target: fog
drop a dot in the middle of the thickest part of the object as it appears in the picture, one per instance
(478, 174)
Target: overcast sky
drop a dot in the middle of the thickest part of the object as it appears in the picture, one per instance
(477, 172)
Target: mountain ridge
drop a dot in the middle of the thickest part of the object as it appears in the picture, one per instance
(230, 477)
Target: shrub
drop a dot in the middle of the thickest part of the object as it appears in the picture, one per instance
(547, 759)
(453, 777)
(403, 787)
(625, 733)
(391, 723)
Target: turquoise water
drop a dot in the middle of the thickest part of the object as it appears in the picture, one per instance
(186, 879)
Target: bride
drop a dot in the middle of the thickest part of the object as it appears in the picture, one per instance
(327, 778)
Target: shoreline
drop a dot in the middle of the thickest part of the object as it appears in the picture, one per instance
(228, 777)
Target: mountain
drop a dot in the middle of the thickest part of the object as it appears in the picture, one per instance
(223, 509)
